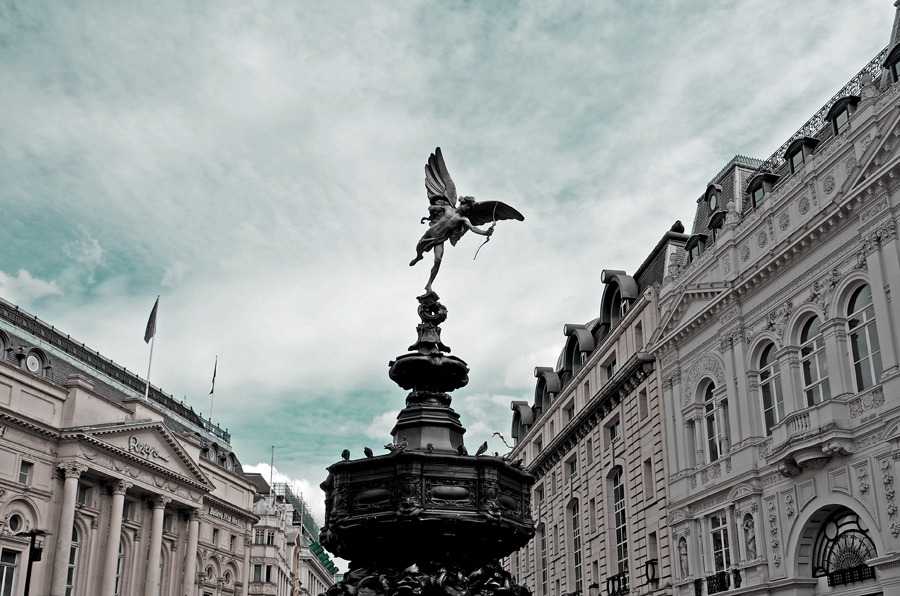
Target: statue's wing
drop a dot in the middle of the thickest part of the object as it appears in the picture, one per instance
(489, 211)
(438, 182)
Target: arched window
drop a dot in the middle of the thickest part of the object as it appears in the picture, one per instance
(542, 536)
(715, 425)
(815, 366)
(770, 388)
(620, 521)
(843, 543)
(120, 563)
(575, 521)
(72, 574)
(864, 347)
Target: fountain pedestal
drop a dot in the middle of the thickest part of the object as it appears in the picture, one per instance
(427, 518)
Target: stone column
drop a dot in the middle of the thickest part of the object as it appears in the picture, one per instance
(72, 472)
(733, 411)
(108, 587)
(190, 555)
(671, 441)
(248, 541)
(699, 437)
(151, 582)
(791, 379)
(837, 355)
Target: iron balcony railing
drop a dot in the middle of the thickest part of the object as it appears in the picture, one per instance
(852, 575)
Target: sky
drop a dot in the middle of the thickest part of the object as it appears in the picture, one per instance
(259, 165)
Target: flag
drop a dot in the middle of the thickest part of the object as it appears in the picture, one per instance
(151, 323)
(215, 366)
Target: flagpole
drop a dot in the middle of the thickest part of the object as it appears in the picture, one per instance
(212, 398)
(152, 342)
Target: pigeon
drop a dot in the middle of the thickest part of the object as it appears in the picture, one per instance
(345, 455)
(462, 450)
(368, 452)
(429, 447)
(517, 464)
(481, 449)
(678, 227)
(391, 447)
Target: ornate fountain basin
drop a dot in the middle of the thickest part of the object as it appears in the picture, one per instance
(414, 506)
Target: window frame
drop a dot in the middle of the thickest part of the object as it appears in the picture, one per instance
(869, 327)
(29, 472)
(720, 531)
(769, 385)
(713, 422)
(813, 361)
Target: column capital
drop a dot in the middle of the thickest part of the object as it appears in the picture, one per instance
(72, 469)
(120, 487)
(194, 514)
(160, 502)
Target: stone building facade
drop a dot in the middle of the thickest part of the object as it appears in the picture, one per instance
(779, 354)
(141, 496)
(286, 559)
(593, 437)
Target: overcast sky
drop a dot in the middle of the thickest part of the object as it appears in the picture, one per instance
(260, 166)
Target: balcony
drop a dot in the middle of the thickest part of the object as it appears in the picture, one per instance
(850, 576)
(808, 438)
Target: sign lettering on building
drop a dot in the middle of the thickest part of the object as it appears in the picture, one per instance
(213, 512)
(145, 449)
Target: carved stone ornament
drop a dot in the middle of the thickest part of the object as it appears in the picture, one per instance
(862, 474)
(803, 205)
(773, 529)
(745, 252)
(705, 366)
(850, 165)
(72, 469)
(762, 239)
(120, 487)
(870, 401)
(784, 220)
(887, 479)
(777, 319)
(160, 502)
(789, 505)
(822, 290)
(828, 184)
(883, 233)
(726, 264)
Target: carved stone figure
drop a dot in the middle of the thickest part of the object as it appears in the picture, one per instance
(750, 536)
(683, 557)
(447, 221)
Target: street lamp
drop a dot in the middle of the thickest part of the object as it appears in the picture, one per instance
(594, 589)
(34, 554)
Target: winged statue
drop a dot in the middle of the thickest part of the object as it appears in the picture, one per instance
(449, 221)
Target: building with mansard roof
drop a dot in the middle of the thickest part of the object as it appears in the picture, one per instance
(779, 352)
(593, 438)
(140, 496)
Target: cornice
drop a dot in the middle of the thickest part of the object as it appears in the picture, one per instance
(40, 429)
(210, 499)
(632, 373)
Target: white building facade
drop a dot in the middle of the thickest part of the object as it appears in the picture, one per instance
(140, 497)
(779, 354)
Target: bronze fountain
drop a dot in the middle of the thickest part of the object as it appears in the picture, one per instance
(427, 518)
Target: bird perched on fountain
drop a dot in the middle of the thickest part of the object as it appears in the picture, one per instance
(368, 452)
(345, 455)
(429, 447)
(481, 449)
(462, 450)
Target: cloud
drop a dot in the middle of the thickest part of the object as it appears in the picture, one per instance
(24, 288)
(381, 426)
(311, 493)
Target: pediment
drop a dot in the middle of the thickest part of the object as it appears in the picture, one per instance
(150, 444)
(691, 303)
(879, 156)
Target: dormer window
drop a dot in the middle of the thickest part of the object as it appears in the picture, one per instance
(892, 63)
(840, 112)
(713, 198)
(695, 246)
(716, 222)
(799, 151)
(760, 185)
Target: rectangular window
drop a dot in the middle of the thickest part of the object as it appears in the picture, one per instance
(556, 539)
(270, 537)
(797, 160)
(543, 537)
(539, 495)
(538, 446)
(589, 448)
(721, 554)
(842, 122)
(9, 565)
(649, 492)
(620, 521)
(571, 468)
(268, 573)
(614, 430)
(592, 512)
(553, 483)
(586, 392)
(83, 494)
(25, 471)
(757, 196)
(643, 404)
(168, 520)
(259, 537)
(611, 370)
(570, 412)
(215, 536)
(638, 336)
(128, 510)
(257, 573)
(576, 545)
(232, 543)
